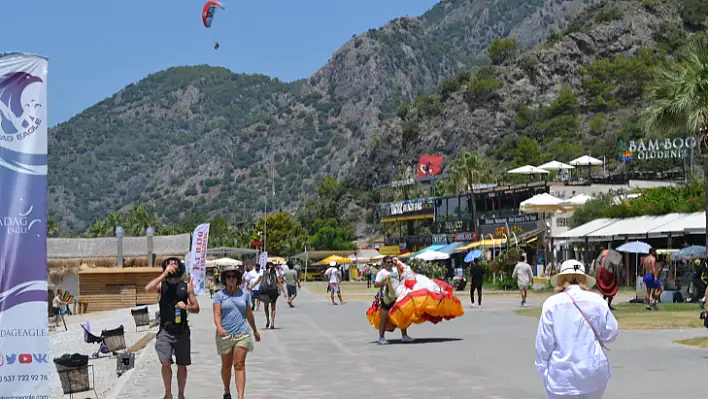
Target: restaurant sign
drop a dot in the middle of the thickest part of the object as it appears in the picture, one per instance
(505, 225)
(402, 207)
(669, 148)
(530, 218)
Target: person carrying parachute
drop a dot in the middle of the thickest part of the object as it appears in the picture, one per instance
(208, 13)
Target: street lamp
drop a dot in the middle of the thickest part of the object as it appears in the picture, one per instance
(149, 232)
(119, 236)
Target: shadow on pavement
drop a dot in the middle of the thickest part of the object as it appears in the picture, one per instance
(421, 341)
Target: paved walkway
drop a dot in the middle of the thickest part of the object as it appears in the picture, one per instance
(324, 351)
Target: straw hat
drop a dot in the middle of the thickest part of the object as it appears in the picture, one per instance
(575, 269)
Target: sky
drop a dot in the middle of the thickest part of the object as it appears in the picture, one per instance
(95, 48)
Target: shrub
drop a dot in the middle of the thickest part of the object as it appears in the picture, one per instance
(428, 269)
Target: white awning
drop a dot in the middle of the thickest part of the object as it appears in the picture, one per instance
(692, 223)
(579, 233)
(634, 228)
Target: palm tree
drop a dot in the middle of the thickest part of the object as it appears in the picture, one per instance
(53, 229)
(680, 100)
(140, 218)
(467, 170)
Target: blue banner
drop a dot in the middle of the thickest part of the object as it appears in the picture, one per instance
(24, 343)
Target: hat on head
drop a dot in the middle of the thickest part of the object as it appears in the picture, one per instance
(176, 262)
(575, 269)
(333, 263)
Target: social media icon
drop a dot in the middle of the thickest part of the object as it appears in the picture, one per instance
(10, 359)
(25, 358)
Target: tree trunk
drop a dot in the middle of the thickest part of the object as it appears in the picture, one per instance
(703, 146)
(704, 162)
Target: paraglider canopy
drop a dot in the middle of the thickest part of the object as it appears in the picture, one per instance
(209, 10)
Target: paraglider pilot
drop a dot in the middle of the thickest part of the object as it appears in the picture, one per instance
(216, 46)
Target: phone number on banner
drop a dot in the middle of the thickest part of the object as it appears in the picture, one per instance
(23, 378)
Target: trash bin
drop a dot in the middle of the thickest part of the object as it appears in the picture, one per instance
(73, 373)
(141, 317)
(114, 339)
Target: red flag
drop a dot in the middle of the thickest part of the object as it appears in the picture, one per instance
(429, 165)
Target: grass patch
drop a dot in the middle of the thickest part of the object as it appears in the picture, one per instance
(634, 317)
(698, 342)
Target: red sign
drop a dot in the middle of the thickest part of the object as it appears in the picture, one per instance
(465, 237)
(256, 243)
(429, 165)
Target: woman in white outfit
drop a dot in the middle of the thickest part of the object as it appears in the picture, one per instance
(575, 325)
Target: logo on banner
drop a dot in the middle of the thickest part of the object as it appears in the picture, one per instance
(19, 117)
(23, 358)
(19, 224)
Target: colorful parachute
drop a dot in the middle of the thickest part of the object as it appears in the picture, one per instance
(209, 10)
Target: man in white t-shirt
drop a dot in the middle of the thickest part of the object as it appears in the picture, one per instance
(388, 274)
(523, 274)
(254, 283)
(335, 280)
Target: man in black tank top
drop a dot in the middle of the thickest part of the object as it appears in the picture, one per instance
(173, 337)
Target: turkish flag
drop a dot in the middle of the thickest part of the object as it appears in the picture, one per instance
(429, 165)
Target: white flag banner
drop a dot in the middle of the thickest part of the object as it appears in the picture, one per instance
(197, 265)
(263, 259)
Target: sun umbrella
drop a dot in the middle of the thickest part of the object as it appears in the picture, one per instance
(527, 170)
(555, 165)
(335, 258)
(472, 255)
(586, 160)
(690, 253)
(578, 200)
(541, 203)
(432, 255)
(635, 247)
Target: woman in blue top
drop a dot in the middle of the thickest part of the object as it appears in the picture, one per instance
(232, 316)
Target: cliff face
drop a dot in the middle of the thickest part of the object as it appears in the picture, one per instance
(203, 139)
(578, 92)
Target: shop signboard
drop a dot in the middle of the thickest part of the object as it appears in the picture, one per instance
(500, 225)
(666, 148)
(406, 207)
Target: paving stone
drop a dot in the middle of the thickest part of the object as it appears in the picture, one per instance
(323, 351)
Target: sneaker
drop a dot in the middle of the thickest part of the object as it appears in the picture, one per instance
(479, 306)
(474, 306)
(406, 338)
(382, 341)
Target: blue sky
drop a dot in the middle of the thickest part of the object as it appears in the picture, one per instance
(95, 48)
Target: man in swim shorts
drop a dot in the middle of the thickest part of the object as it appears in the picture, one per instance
(651, 280)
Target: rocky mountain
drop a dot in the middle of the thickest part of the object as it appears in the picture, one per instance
(204, 138)
(578, 92)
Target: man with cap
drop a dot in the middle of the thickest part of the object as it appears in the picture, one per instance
(335, 280)
(173, 337)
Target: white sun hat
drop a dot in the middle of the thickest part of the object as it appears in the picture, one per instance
(333, 263)
(575, 268)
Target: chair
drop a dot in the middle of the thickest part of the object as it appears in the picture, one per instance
(141, 317)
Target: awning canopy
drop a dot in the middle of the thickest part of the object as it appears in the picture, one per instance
(581, 231)
(497, 242)
(430, 248)
(637, 228)
(633, 228)
(692, 223)
(449, 249)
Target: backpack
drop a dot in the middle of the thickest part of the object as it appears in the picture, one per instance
(270, 282)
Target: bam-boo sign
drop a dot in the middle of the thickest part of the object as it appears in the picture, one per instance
(662, 148)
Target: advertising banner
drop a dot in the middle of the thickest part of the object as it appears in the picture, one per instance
(24, 343)
(262, 260)
(197, 265)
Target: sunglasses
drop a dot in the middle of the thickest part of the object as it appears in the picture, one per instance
(230, 276)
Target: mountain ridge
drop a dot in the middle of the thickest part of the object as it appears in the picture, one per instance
(200, 138)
